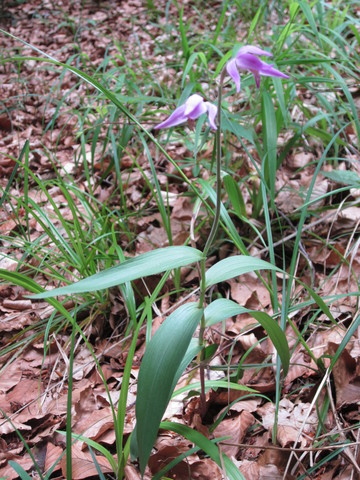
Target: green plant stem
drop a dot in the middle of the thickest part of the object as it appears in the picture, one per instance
(208, 244)
(216, 221)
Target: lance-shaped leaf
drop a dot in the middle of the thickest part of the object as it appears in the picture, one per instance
(232, 471)
(159, 367)
(223, 308)
(234, 266)
(149, 263)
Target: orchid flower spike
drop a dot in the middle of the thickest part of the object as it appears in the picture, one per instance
(247, 59)
(191, 110)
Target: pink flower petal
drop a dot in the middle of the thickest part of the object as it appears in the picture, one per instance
(247, 61)
(232, 70)
(212, 112)
(176, 118)
(270, 71)
(193, 105)
(253, 50)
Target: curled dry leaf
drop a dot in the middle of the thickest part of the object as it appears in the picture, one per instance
(249, 292)
(294, 421)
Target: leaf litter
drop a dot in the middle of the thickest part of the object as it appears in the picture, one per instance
(33, 386)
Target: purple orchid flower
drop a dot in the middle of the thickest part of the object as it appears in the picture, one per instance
(246, 59)
(191, 110)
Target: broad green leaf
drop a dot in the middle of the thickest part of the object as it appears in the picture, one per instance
(345, 177)
(232, 471)
(277, 336)
(214, 384)
(222, 63)
(159, 368)
(223, 308)
(209, 352)
(234, 266)
(294, 8)
(193, 349)
(97, 466)
(149, 263)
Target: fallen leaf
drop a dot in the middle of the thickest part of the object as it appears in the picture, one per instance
(235, 428)
(83, 464)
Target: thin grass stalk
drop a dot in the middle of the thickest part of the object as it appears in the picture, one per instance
(208, 244)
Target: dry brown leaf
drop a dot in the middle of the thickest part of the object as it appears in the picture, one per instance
(261, 380)
(347, 382)
(19, 305)
(44, 428)
(83, 364)
(191, 467)
(7, 452)
(53, 454)
(235, 428)
(131, 473)
(248, 291)
(322, 339)
(270, 472)
(294, 421)
(10, 376)
(94, 424)
(249, 469)
(168, 447)
(248, 405)
(83, 465)
(26, 394)
(204, 469)
(299, 160)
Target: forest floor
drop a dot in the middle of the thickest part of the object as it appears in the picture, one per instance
(65, 134)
